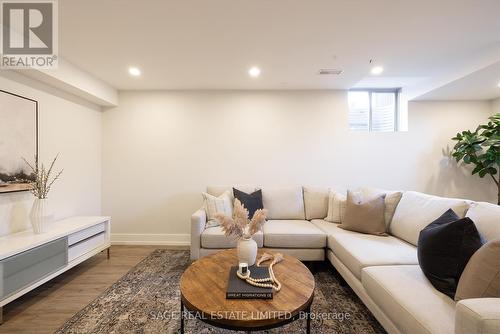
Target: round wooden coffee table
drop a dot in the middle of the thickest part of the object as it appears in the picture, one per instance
(203, 294)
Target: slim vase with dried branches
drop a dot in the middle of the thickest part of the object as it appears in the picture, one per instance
(41, 182)
(243, 228)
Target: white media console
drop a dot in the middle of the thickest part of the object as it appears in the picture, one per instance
(27, 260)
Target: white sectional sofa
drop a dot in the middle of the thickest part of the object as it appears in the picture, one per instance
(383, 271)
(287, 228)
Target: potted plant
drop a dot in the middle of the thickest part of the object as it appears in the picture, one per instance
(243, 228)
(481, 148)
(41, 181)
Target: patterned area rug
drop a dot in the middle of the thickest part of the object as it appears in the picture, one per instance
(146, 300)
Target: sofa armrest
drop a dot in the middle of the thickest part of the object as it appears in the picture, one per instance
(478, 316)
(198, 221)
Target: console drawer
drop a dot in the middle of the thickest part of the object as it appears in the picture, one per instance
(86, 246)
(21, 270)
(86, 233)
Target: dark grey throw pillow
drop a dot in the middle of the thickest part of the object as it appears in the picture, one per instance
(444, 248)
(252, 202)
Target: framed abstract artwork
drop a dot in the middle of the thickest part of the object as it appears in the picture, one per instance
(18, 140)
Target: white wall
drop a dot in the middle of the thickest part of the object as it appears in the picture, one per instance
(161, 149)
(495, 106)
(73, 129)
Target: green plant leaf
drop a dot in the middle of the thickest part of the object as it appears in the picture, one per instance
(480, 148)
(491, 170)
(476, 169)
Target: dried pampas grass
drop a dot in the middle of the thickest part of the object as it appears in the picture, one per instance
(239, 225)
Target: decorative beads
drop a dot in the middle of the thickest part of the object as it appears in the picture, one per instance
(275, 284)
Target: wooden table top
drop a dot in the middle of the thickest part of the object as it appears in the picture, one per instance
(203, 291)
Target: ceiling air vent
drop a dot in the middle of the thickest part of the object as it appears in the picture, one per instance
(329, 71)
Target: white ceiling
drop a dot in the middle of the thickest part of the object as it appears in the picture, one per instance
(204, 44)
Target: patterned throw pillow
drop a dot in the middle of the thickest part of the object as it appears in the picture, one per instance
(336, 207)
(214, 205)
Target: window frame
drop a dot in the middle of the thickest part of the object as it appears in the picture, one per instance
(370, 91)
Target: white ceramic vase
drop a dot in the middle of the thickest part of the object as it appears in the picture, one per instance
(247, 251)
(38, 215)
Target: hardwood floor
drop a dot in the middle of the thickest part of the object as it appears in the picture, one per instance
(46, 308)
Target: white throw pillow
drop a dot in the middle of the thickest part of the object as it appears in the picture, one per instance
(336, 207)
(214, 205)
(392, 199)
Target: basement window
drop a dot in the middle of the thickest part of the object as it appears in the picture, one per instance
(373, 110)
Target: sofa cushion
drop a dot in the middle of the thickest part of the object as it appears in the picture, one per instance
(316, 202)
(409, 300)
(293, 234)
(486, 216)
(284, 203)
(357, 251)
(213, 237)
(330, 229)
(416, 210)
(478, 316)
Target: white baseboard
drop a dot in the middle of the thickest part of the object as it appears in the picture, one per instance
(150, 239)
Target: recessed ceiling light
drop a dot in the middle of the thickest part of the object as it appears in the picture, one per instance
(134, 71)
(254, 72)
(499, 84)
(377, 70)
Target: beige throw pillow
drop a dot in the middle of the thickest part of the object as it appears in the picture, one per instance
(316, 202)
(392, 199)
(481, 276)
(336, 207)
(365, 215)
